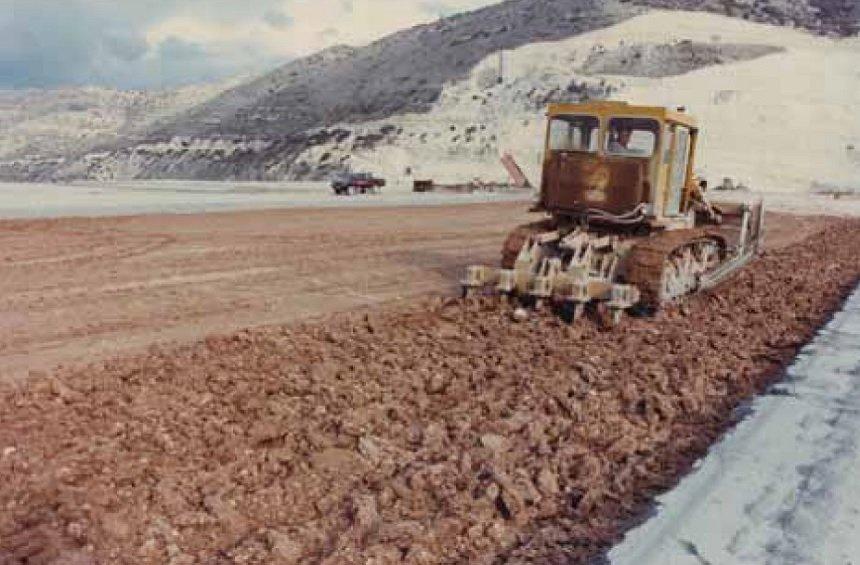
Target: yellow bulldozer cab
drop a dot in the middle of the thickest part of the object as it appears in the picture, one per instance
(616, 157)
(627, 224)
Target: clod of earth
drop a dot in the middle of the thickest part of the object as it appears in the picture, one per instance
(422, 434)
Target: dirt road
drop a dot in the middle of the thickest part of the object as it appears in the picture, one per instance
(74, 290)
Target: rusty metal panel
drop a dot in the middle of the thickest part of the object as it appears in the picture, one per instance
(576, 180)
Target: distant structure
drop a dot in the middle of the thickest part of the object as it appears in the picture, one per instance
(515, 172)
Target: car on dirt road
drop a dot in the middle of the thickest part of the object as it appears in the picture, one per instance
(356, 183)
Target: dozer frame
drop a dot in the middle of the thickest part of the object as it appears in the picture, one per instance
(625, 223)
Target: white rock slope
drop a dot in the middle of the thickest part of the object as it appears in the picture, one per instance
(785, 121)
(53, 123)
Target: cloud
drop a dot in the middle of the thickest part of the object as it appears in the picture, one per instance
(165, 43)
(47, 43)
(277, 19)
(127, 47)
(42, 43)
(175, 49)
(329, 33)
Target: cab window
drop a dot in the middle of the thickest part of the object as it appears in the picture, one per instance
(635, 137)
(573, 133)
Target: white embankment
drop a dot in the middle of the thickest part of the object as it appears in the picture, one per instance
(784, 486)
(789, 121)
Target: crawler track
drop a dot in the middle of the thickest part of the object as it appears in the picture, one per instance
(647, 260)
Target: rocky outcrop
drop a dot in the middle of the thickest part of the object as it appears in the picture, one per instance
(839, 17)
(669, 60)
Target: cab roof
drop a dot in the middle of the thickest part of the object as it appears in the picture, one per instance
(611, 108)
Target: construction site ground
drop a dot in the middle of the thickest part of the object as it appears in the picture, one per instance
(367, 417)
(75, 289)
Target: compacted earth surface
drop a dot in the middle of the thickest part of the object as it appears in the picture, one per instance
(72, 289)
(439, 430)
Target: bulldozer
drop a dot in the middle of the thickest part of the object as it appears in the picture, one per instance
(625, 222)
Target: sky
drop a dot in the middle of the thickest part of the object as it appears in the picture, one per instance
(134, 44)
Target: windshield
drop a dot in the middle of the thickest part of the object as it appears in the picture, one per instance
(573, 133)
(635, 137)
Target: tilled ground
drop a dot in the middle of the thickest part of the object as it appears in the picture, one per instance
(444, 432)
(77, 289)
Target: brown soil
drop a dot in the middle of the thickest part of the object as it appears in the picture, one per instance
(436, 432)
(76, 289)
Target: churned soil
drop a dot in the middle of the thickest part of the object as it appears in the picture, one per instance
(77, 289)
(439, 432)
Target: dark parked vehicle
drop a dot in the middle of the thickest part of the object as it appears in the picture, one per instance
(356, 183)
